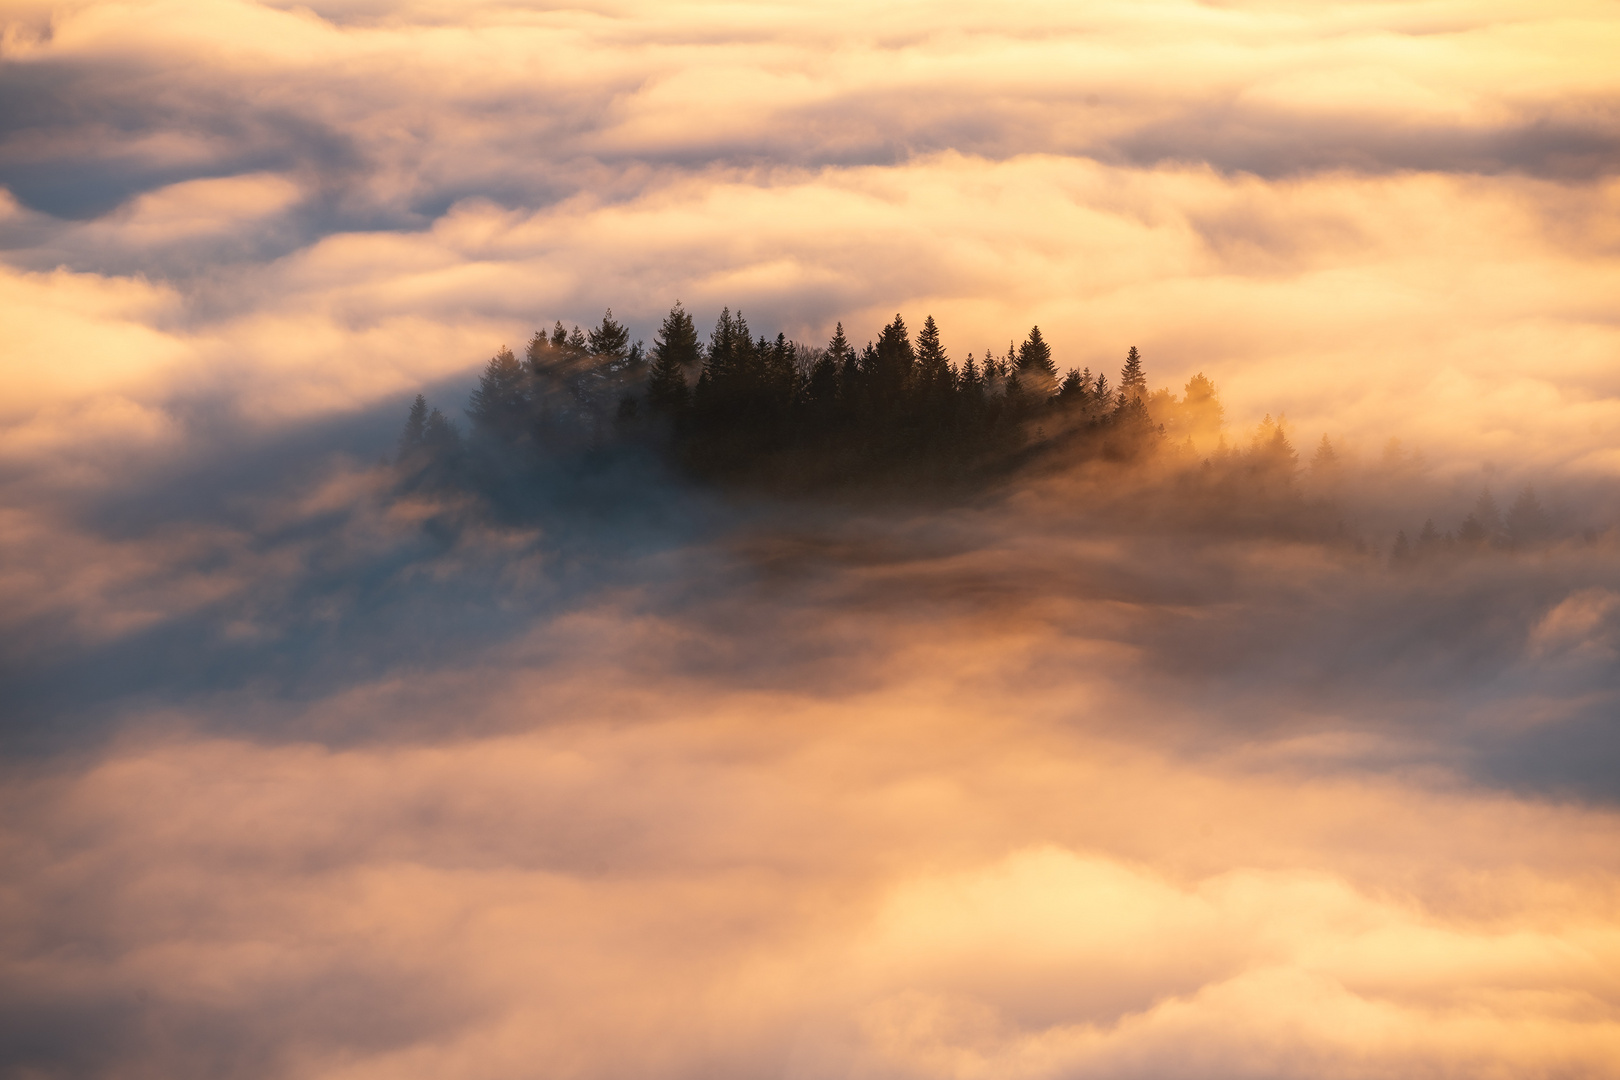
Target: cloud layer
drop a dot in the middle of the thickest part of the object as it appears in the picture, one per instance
(1104, 773)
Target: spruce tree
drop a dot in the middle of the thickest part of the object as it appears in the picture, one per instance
(1035, 357)
(933, 366)
(839, 347)
(675, 350)
(893, 360)
(610, 341)
(1325, 457)
(500, 405)
(410, 439)
(1526, 521)
(1073, 391)
(440, 437)
(1132, 380)
(1401, 553)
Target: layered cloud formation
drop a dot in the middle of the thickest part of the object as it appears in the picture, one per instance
(304, 776)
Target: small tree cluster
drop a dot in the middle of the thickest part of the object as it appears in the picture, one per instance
(1525, 525)
(741, 404)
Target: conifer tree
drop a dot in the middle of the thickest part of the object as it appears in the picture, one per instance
(675, 350)
(1132, 380)
(410, 439)
(1325, 457)
(500, 404)
(1401, 553)
(839, 347)
(971, 383)
(440, 437)
(1035, 364)
(933, 365)
(1526, 521)
(1428, 540)
(1073, 391)
(611, 340)
(849, 367)
(893, 360)
(821, 388)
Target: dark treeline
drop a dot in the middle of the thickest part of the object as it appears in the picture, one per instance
(748, 408)
(898, 413)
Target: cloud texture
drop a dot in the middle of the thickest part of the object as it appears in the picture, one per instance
(1100, 774)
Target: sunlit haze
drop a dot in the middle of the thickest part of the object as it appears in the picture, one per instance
(1279, 740)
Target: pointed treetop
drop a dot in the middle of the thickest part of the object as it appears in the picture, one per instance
(839, 347)
(609, 339)
(1035, 355)
(1132, 380)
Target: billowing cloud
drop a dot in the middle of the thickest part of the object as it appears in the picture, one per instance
(1106, 771)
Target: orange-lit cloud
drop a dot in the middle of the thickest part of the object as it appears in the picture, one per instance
(1093, 776)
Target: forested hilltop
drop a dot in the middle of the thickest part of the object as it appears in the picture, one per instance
(757, 410)
(900, 416)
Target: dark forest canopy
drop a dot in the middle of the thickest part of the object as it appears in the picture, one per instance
(742, 408)
(899, 414)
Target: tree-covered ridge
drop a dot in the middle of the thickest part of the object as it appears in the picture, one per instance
(901, 413)
(742, 406)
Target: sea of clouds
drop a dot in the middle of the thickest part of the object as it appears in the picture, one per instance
(1093, 774)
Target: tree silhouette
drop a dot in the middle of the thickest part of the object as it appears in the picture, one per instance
(500, 405)
(763, 406)
(1526, 521)
(410, 439)
(1132, 380)
(1036, 371)
(610, 339)
(1325, 457)
(675, 351)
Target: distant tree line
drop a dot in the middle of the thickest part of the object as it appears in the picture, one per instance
(1525, 524)
(746, 407)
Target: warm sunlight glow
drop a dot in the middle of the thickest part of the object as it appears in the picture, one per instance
(671, 698)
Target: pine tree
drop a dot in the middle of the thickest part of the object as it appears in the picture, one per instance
(839, 347)
(610, 341)
(1035, 356)
(1526, 520)
(410, 439)
(1073, 391)
(1428, 540)
(893, 360)
(440, 437)
(675, 350)
(1132, 380)
(933, 365)
(1401, 553)
(1325, 457)
(500, 405)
